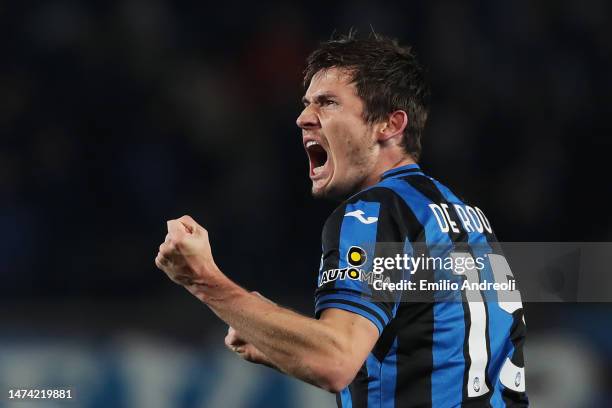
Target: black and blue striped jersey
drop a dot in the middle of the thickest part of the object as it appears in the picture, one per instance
(430, 353)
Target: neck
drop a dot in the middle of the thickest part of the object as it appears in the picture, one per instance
(385, 165)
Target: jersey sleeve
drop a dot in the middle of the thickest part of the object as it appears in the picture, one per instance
(359, 230)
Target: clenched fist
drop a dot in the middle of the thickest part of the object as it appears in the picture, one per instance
(185, 255)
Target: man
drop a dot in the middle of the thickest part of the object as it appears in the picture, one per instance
(365, 108)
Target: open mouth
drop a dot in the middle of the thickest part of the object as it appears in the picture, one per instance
(317, 155)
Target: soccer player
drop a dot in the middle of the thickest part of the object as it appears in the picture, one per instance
(365, 109)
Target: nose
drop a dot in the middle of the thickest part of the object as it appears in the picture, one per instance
(307, 119)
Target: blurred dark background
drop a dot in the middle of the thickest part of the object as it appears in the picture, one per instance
(116, 116)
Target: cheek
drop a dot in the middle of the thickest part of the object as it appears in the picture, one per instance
(343, 146)
(336, 135)
(348, 141)
(355, 144)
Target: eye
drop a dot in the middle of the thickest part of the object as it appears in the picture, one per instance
(329, 102)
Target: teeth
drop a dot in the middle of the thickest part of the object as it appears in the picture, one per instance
(311, 143)
(317, 170)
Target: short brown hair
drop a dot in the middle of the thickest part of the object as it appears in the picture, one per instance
(387, 76)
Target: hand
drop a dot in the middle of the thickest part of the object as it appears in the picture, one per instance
(245, 350)
(185, 256)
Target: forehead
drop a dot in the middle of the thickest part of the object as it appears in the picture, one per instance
(331, 80)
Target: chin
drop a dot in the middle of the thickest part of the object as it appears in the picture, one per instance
(319, 192)
(333, 192)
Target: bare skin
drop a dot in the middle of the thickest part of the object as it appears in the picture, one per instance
(357, 152)
(326, 352)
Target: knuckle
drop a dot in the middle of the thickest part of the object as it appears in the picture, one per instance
(178, 245)
(172, 244)
(160, 261)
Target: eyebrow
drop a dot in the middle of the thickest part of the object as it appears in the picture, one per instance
(319, 98)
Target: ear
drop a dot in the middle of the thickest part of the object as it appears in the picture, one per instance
(393, 127)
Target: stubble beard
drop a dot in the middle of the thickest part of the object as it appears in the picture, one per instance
(360, 162)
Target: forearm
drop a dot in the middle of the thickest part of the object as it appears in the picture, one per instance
(297, 345)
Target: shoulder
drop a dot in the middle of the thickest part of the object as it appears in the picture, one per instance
(395, 207)
(375, 198)
(364, 209)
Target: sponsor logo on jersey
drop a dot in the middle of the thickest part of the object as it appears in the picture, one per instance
(355, 257)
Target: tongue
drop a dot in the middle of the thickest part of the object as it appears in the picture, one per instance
(317, 170)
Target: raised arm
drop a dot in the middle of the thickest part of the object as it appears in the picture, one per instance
(327, 352)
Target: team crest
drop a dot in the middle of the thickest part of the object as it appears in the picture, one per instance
(517, 379)
(476, 384)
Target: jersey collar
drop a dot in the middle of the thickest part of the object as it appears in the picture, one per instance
(402, 171)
